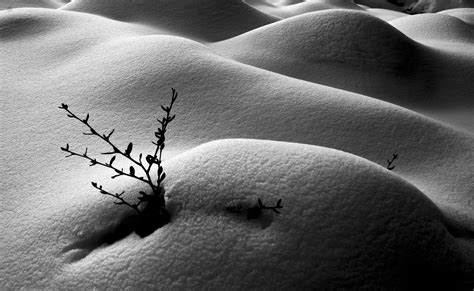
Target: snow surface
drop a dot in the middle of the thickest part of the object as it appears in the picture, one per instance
(10, 4)
(306, 109)
(284, 10)
(368, 56)
(422, 6)
(465, 14)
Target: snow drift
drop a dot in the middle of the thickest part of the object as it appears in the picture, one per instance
(246, 128)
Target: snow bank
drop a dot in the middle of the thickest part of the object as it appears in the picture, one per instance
(285, 10)
(117, 82)
(385, 14)
(357, 52)
(437, 26)
(417, 6)
(122, 72)
(465, 14)
(423, 6)
(345, 223)
(9, 4)
(384, 4)
(203, 20)
(74, 32)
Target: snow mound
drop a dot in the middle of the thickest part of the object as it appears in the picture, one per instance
(465, 14)
(285, 10)
(430, 6)
(353, 51)
(345, 223)
(9, 4)
(227, 100)
(121, 72)
(207, 20)
(439, 26)
(346, 37)
(73, 30)
(385, 14)
(387, 5)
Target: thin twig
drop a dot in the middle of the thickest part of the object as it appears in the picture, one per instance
(94, 162)
(104, 137)
(160, 143)
(117, 196)
(390, 162)
(274, 208)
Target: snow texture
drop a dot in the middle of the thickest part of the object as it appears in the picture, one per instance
(422, 6)
(306, 109)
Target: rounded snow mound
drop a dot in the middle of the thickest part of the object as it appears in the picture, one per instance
(385, 14)
(430, 6)
(345, 223)
(207, 20)
(26, 22)
(228, 100)
(350, 50)
(346, 37)
(436, 26)
(69, 29)
(285, 10)
(386, 5)
(465, 14)
(32, 3)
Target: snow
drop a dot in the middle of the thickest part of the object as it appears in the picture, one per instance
(10, 4)
(205, 20)
(465, 14)
(285, 10)
(371, 57)
(387, 5)
(437, 26)
(306, 109)
(385, 14)
(331, 232)
(422, 6)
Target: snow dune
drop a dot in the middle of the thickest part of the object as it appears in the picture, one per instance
(465, 14)
(292, 109)
(334, 233)
(386, 5)
(439, 26)
(206, 20)
(10, 4)
(430, 6)
(285, 10)
(357, 52)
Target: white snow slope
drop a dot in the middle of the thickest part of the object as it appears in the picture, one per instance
(306, 110)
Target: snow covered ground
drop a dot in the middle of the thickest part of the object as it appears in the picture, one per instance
(302, 101)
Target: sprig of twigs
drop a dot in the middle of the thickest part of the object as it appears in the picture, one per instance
(160, 143)
(256, 210)
(390, 162)
(117, 196)
(157, 191)
(274, 208)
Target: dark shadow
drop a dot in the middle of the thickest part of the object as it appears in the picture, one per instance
(150, 219)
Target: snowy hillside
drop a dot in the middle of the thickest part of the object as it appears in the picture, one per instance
(303, 101)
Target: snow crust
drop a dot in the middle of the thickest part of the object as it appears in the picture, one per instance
(422, 6)
(10, 4)
(437, 26)
(346, 222)
(465, 14)
(205, 20)
(367, 56)
(285, 9)
(267, 108)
